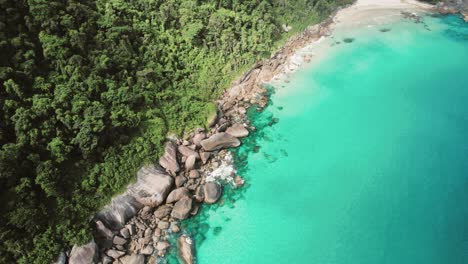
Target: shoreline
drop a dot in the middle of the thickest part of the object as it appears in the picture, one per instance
(138, 224)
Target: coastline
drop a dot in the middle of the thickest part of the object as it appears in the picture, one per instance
(249, 90)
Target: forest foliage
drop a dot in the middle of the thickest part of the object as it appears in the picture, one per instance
(89, 90)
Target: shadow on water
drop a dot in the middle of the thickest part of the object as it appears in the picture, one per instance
(198, 227)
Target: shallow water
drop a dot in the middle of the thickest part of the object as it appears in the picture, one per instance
(368, 162)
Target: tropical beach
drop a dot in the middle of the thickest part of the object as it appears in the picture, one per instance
(346, 145)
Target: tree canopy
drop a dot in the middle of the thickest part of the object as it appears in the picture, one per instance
(89, 90)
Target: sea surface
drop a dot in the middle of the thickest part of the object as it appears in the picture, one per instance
(360, 158)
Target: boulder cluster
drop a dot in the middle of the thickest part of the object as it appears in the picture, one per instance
(136, 226)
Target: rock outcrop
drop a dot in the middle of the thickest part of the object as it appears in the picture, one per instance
(151, 188)
(220, 141)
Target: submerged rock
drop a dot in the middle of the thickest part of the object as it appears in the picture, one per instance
(219, 141)
(186, 249)
(85, 254)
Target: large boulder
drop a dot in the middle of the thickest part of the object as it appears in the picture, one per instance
(151, 189)
(169, 159)
(119, 211)
(190, 163)
(186, 249)
(85, 254)
(212, 192)
(220, 141)
(177, 195)
(152, 186)
(187, 152)
(182, 209)
(197, 138)
(132, 259)
(163, 211)
(238, 131)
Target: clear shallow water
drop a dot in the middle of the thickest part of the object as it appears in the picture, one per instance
(368, 162)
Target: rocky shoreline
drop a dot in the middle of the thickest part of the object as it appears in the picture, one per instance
(135, 228)
(453, 7)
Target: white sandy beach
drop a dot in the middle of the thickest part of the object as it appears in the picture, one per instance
(364, 13)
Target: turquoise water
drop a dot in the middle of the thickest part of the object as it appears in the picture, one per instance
(367, 162)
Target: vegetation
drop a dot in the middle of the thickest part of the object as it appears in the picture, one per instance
(89, 90)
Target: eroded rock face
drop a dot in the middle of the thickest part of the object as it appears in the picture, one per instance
(186, 249)
(85, 254)
(151, 189)
(220, 141)
(212, 192)
(182, 209)
(169, 159)
(238, 131)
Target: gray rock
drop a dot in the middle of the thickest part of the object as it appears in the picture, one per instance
(152, 186)
(205, 156)
(106, 260)
(119, 240)
(238, 131)
(175, 228)
(220, 141)
(125, 232)
(198, 138)
(162, 245)
(199, 194)
(169, 158)
(187, 152)
(151, 189)
(85, 254)
(190, 162)
(186, 249)
(115, 254)
(212, 192)
(119, 211)
(148, 232)
(148, 250)
(163, 225)
(180, 180)
(194, 174)
(182, 209)
(177, 194)
(162, 211)
(132, 259)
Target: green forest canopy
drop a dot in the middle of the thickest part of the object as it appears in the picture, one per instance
(89, 90)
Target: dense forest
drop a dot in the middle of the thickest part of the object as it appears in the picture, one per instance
(89, 90)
